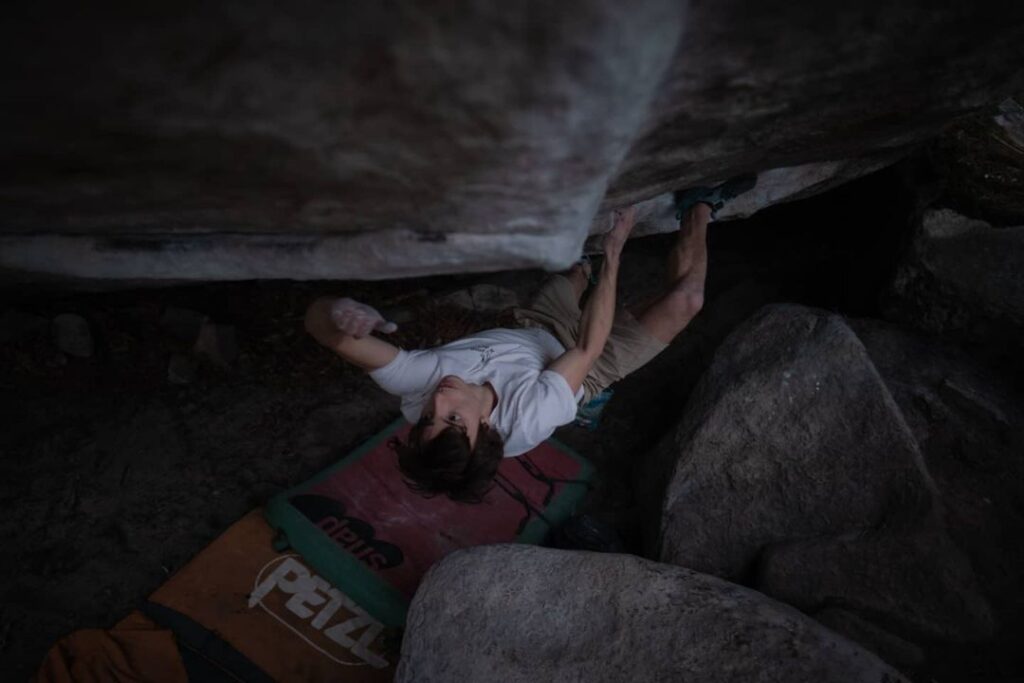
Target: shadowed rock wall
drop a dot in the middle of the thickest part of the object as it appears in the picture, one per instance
(374, 140)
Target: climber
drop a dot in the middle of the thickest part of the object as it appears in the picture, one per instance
(501, 392)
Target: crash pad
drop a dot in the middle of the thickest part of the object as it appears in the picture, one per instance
(320, 606)
(240, 606)
(360, 526)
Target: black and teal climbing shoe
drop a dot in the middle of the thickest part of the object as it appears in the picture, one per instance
(715, 197)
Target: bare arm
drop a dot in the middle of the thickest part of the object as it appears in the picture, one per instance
(345, 326)
(599, 313)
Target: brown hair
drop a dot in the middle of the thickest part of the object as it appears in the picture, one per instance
(447, 464)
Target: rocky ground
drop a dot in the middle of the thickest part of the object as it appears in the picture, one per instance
(129, 450)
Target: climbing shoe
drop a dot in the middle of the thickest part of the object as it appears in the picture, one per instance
(589, 415)
(588, 269)
(715, 197)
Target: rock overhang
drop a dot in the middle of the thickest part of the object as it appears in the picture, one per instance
(330, 142)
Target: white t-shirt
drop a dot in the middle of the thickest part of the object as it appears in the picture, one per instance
(532, 401)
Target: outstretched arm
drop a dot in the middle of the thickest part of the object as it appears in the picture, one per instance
(599, 313)
(345, 326)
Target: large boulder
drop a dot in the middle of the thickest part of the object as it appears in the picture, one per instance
(963, 275)
(889, 647)
(793, 470)
(518, 613)
(968, 417)
(791, 433)
(979, 163)
(375, 140)
(914, 581)
(967, 414)
(960, 275)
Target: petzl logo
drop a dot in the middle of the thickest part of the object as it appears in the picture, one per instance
(352, 534)
(317, 612)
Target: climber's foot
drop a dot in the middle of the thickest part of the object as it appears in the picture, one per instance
(714, 197)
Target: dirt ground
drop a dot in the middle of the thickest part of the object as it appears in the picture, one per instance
(111, 477)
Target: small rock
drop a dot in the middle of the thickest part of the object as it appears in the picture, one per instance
(462, 298)
(181, 369)
(400, 316)
(72, 336)
(15, 325)
(218, 343)
(183, 324)
(1011, 120)
(483, 298)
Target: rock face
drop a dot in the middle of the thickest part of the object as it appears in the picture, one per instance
(773, 422)
(517, 613)
(981, 162)
(796, 472)
(969, 421)
(379, 140)
(71, 334)
(913, 580)
(963, 275)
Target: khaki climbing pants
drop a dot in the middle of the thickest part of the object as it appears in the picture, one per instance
(629, 345)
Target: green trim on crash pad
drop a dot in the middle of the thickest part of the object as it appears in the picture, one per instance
(350, 459)
(358, 582)
(382, 601)
(345, 572)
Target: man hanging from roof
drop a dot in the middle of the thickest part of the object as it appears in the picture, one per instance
(500, 392)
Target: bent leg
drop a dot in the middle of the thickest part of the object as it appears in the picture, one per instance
(635, 341)
(555, 308)
(687, 271)
(629, 347)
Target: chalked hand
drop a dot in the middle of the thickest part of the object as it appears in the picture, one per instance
(357, 320)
